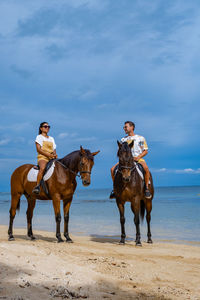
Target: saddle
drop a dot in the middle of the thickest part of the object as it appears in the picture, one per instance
(49, 169)
(42, 182)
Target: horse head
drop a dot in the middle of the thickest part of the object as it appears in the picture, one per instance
(126, 161)
(86, 164)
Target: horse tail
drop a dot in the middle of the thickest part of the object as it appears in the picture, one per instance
(142, 210)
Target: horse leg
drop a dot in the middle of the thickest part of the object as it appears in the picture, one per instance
(14, 206)
(29, 214)
(122, 221)
(148, 218)
(66, 207)
(56, 206)
(135, 209)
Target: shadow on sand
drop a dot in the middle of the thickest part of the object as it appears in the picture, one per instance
(37, 237)
(21, 284)
(113, 239)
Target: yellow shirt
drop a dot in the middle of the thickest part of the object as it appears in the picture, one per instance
(47, 144)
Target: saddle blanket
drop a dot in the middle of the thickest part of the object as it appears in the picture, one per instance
(32, 174)
(141, 173)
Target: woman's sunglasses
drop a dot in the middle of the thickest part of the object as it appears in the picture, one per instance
(46, 126)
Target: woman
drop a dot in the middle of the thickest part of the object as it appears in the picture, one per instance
(46, 149)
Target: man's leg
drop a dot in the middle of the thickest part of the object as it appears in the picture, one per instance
(112, 171)
(147, 176)
(42, 165)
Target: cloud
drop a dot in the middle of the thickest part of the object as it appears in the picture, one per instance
(25, 74)
(90, 94)
(56, 52)
(85, 139)
(188, 171)
(89, 65)
(17, 126)
(103, 105)
(40, 23)
(159, 170)
(177, 171)
(4, 142)
(63, 135)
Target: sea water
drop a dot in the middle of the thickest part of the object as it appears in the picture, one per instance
(175, 214)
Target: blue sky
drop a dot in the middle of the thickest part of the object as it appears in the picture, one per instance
(86, 66)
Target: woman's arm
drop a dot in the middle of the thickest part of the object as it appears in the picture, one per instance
(39, 150)
(54, 154)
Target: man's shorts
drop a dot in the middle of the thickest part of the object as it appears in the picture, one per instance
(141, 160)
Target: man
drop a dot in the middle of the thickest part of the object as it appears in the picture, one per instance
(139, 150)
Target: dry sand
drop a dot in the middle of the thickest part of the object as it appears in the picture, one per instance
(95, 268)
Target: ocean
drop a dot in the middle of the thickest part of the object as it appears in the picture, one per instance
(175, 215)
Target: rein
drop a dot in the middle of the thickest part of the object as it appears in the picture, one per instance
(79, 175)
(127, 168)
(68, 169)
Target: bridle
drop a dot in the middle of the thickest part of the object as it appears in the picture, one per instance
(80, 171)
(121, 167)
(83, 172)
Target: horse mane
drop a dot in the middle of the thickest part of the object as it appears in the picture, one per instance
(124, 147)
(73, 158)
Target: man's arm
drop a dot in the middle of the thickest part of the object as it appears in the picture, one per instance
(145, 152)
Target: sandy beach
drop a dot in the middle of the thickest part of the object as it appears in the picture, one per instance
(95, 268)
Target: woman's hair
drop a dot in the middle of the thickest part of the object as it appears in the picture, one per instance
(41, 124)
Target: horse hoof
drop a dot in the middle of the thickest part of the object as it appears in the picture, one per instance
(138, 244)
(32, 238)
(60, 241)
(122, 243)
(150, 241)
(69, 240)
(11, 238)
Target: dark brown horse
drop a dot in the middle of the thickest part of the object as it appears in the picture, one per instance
(61, 186)
(129, 186)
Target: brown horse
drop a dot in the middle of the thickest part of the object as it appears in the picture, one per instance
(61, 185)
(129, 186)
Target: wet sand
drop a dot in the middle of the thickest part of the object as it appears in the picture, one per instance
(95, 268)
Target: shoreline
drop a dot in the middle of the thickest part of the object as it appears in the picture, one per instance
(115, 238)
(95, 268)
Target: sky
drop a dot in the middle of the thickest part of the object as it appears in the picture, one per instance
(86, 66)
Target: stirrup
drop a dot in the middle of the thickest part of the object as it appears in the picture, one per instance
(36, 190)
(147, 194)
(112, 195)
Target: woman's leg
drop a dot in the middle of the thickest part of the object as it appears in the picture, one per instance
(42, 165)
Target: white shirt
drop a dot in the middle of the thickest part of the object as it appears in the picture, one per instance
(139, 146)
(40, 139)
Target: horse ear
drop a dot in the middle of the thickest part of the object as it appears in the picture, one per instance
(95, 153)
(131, 144)
(119, 144)
(82, 150)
